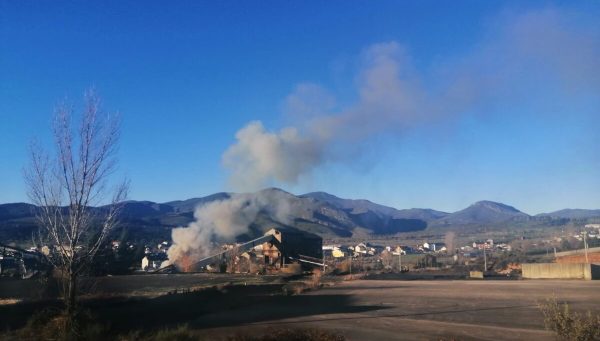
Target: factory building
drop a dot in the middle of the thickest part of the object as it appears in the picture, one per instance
(276, 249)
(291, 246)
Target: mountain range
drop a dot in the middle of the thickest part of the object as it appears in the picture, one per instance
(317, 212)
(570, 213)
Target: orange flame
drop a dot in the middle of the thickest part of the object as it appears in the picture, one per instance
(185, 263)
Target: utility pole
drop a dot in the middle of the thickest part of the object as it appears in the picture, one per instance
(484, 259)
(399, 260)
(350, 265)
(585, 247)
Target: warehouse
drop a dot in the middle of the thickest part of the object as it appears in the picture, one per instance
(292, 246)
(276, 249)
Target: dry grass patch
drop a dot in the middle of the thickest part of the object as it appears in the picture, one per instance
(569, 325)
(9, 301)
(184, 333)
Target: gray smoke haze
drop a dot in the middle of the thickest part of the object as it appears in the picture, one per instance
(222, 221)
(283, 155)
(545, 55)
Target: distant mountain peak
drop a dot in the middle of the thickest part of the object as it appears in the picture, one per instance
(364, 206)
(572, 213)
(273, 190)
(320, 194)
(484, 212)
(493, 205)
(317, 212)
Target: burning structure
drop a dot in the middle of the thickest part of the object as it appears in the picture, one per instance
(292, 246)
(275, 250)
(223, 221)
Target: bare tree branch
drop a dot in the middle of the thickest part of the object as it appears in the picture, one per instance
(66, 186)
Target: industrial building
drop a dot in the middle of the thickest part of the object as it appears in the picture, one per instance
(292, 246)
(276, 249)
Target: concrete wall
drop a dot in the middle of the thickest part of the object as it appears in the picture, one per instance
(561, 271)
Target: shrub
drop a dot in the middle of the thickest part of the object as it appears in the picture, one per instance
(428, 261)
(256, 268)
(184, 333)
(181, 333)
(343, 267)
(568, 325)
(315, 280)
(55, 324)
(291, 335)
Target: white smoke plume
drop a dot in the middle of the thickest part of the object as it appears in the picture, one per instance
(284, 155)
(223, 220)
(521, 55)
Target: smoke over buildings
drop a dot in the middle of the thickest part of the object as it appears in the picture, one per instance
(222, 221)
(519, 56)
(260, 155)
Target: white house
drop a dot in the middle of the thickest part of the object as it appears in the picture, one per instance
(331, 247)
(153, 261)
(338, 253)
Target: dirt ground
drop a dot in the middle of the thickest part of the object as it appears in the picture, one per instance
(419, 310)
(361, 309)
(132, 285)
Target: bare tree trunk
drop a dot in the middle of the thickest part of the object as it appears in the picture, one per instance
(71, 294)
(67, 185)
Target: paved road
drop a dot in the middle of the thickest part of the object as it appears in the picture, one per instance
(419, 310)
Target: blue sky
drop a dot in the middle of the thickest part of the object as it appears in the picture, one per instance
(492, 123)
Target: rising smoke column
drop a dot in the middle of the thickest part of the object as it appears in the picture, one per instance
(543, 47)
(389, 98)
(223, 220)
(259, 154)
(548, 46)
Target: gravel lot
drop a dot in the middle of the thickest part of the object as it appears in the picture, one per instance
(420, 310)
(361, 309)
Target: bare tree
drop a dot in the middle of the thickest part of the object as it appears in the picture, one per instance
(387, 259)
(67, 183)
(233, 258)
(449, 239)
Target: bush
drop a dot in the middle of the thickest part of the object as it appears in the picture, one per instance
(568, 325)
(183, 333)
(315, 280)
(180, 333)
(291, 335)
(428, 261)
(343, 267)
(55, 324)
